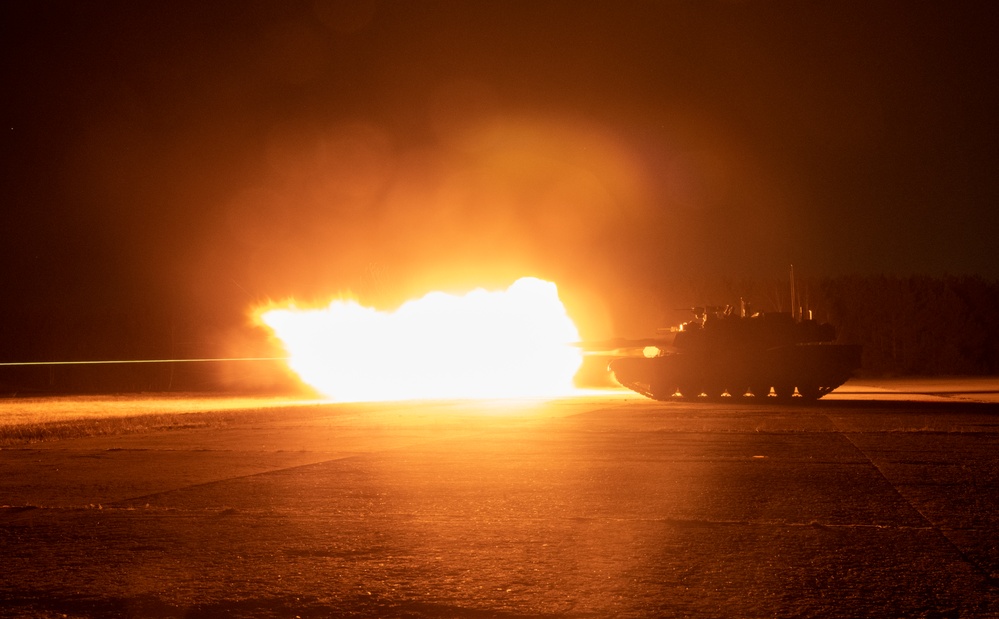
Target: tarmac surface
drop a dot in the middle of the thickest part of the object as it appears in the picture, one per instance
(877, 501)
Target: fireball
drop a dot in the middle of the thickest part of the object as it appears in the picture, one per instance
(513, 343)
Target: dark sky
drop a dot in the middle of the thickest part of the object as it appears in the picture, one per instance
(197, 157)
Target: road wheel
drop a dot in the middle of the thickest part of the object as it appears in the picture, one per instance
(809, 392)
(738, 392)
(784, 392)
(689, 392)
(662, 390)
(714, 392)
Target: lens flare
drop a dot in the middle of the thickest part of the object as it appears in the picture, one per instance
(512, 343)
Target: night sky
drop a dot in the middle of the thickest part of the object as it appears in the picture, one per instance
(191, 159)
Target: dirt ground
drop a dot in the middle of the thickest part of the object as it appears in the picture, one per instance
(880, 501)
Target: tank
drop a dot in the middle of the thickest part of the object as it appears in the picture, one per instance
(723, 353)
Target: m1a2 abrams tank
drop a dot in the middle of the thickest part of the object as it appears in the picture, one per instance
(744, 356)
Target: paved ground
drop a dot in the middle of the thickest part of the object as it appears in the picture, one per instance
(604, 506)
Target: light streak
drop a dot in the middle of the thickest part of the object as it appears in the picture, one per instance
(125, 361)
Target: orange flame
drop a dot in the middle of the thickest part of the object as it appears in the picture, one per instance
(512, 343)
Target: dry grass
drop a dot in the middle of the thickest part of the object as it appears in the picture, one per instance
(23, 433)
(32, 420)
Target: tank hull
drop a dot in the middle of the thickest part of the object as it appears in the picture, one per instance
(809, 370)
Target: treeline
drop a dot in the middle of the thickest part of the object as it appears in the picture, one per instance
(908, 326)
(915, 325)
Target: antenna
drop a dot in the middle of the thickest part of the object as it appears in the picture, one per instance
(792, 293)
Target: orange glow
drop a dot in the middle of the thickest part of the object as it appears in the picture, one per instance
(512, 343)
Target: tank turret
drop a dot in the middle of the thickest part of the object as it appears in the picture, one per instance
(727, 353)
